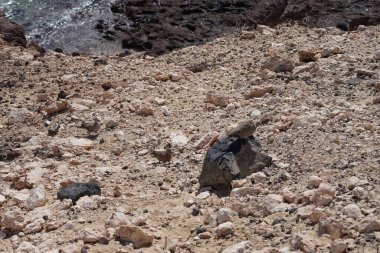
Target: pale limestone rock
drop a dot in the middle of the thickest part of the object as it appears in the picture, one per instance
(20, 116)
(225, 229)
(224, 214)
(87, 202)
(2, 200)
(204, 195)
(88, 236)
(241, 247)
(27, 247)
(138, 237)
(352, 211)
(35, 175)
(72, 248)
(244, 191)
(34, 227)
(270, 202)
(36, 198)
(20, 197)
(179, 140)
(258, 177)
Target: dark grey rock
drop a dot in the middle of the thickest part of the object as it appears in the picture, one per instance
(77, 190)
(230, 159)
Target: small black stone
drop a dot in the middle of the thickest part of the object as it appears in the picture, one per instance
(77, 190)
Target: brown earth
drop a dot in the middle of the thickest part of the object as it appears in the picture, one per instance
(314, 91)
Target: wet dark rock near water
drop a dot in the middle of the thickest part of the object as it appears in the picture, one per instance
(162, 26)
(11, 32)
(230, 159)
(77, 190)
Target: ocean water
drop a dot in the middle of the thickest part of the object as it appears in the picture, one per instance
(67, 24)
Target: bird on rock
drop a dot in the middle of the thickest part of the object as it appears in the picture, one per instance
(244, 129)
(92, 126)
(163, 155)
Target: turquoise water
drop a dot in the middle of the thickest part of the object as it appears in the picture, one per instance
(68, 24)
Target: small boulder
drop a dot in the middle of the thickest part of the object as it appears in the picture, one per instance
(230, 159)
(78, 190)
(224, 229)
(224, 214)
(138, 237)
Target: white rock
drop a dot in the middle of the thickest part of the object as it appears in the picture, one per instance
(117, 219)
(338, 246)
(13, 220)
(179, 139)
(88, 236)
(2, 200)
(241, 247)
(78, 107)
(21, 196)
(27, 247)
(359, 192)
(34, 227)
(225, 229)
(224, 214)
(244, 191)
(35, 175)
(203, 195)
(159, 101)
(138, 237)
(81, 142)
(36, 198)
(258, 177)
(254, 113)
(352, 211)
(270, 202)
(72, 248)
(314, 181)
(87, 202)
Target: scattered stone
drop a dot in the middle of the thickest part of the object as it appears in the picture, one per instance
(87, 202)
(224, 229)
(308, 55)
(247, 35)
(138, 237)
(331, 227)
(241, 247)
(277, 65)
(78, 190)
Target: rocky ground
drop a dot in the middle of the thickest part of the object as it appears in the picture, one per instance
(314, 93)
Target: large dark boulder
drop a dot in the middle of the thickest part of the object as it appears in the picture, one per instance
(11, 32)
(77, 190)
(230, 159)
